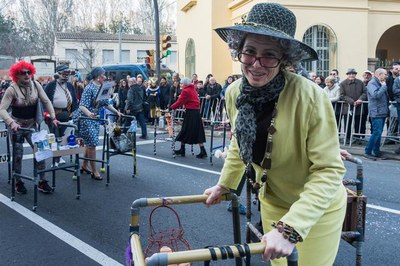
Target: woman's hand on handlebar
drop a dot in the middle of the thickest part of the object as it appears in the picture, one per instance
(55, 122)
(215, 194)
(277, 246)
(14, 126)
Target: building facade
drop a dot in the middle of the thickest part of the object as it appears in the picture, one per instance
(87, 50)
(362, 34)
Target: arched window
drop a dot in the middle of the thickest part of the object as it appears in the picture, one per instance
(323, 41)
(190, 58)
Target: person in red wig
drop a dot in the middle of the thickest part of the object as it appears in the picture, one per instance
(22, 97)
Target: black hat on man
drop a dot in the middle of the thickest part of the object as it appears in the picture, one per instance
(61, 68)
(351, 71)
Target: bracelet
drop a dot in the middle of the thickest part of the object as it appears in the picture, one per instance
(287, 232)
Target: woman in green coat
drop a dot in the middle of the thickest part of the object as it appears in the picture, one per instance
(284, 128)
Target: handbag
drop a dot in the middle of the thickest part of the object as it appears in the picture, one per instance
(121, 143)
(39, 112)
(39, 117)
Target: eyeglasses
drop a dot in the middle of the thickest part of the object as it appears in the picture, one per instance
(23, 73)
(333, 73)
(265, 61)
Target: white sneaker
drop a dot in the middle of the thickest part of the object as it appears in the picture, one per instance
(61, 161)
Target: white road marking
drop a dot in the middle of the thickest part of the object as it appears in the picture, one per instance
(178, 164)
(66, 237)
(376, 207)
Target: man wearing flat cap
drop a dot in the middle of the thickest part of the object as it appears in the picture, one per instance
(353, 92)
(63, 97)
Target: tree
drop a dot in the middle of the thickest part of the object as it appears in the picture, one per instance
(37, 21)
(146, 19)
(88, 55)
(14, 40)
(44, 18)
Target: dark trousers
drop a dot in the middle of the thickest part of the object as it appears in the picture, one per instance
(17, 139)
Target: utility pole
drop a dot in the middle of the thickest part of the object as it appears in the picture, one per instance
(120, 41)
(157, 33)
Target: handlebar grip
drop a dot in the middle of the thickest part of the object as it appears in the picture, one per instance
(26, 129)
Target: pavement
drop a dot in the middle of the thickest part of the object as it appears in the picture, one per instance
(358, 149)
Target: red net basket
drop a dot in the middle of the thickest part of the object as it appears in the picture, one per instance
(172, 237)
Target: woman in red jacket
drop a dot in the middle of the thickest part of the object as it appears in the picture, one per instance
(192, 131)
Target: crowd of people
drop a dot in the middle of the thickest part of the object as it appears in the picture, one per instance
(359, 99)
(67, 96)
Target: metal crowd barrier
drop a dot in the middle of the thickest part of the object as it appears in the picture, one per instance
(355, 126)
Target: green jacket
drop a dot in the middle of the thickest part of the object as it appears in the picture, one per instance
(307, 171)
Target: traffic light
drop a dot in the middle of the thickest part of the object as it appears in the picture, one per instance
(150, 58)
(165, 45)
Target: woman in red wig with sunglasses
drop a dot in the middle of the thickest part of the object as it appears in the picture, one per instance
(22, 97)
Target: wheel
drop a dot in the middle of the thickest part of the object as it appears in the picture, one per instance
(12, 198)
(78, 197)
(74, 177)
(102, 170)
(34, 208)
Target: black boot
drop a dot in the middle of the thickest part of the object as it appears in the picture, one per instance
(181, 151)
(202, 154)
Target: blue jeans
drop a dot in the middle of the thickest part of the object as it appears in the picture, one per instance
(374, 142)
(398, 119)
(142, 122)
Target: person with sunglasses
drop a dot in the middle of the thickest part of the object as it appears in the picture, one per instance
(22, 97)
(62, 95)
(284, 140)
(335, 73)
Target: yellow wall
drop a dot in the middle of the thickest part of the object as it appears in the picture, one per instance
(195, 24)
(357, 24)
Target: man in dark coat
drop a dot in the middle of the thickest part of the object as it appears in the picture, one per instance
(164, 93)
(353, 92)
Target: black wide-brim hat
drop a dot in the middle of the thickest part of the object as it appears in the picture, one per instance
(269, 19)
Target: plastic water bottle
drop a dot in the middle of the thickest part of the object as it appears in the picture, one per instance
(133, 126)
(161, 122)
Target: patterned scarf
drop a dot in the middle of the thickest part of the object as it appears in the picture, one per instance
(250, 100)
